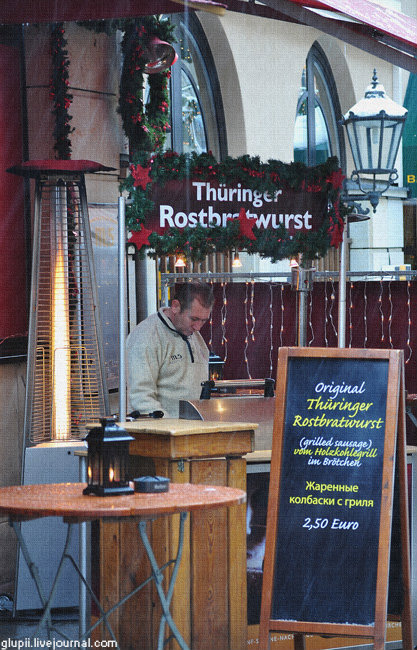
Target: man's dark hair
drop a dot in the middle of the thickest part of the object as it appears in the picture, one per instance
(186, 292)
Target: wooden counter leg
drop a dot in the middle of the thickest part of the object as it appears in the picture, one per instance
(181, 606)
(209, 573)
(165, 544)
(108, 550)
(136, 614)
(237, 559)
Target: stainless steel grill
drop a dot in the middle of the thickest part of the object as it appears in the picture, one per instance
(253, 403)
(66, 386)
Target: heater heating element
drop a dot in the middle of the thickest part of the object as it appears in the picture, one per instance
(66, 386)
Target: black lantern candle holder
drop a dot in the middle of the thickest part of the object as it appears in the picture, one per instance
(108, 460)
(216, 365)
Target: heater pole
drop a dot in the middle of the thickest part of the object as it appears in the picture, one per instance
(122, 308)
(341, 333)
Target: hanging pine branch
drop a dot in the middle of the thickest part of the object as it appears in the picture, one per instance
(145, 122)
(59, 93)
(145, 125)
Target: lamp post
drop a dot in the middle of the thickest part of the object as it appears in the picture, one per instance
(374, 127)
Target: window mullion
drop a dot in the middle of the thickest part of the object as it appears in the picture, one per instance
(176, 97)
(311, 118)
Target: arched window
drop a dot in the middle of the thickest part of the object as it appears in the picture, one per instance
(197, 116)
(317, 132)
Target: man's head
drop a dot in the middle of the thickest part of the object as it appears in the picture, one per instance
(191, 306)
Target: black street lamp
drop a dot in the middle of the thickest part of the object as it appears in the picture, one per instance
(374, 127)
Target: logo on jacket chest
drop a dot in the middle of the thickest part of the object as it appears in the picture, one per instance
(175, 357)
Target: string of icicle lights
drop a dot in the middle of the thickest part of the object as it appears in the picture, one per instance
(210, 344)
(329, 304)
(223, 321)
(410, 351)
(381, 311)
(375, 317)
(249, 317)
(245, 349)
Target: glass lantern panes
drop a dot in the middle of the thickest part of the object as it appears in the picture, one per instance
(108, 460)
(374, 143)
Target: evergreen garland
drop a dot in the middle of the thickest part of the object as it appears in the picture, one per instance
(196, 243)
(145, 126)
(58, 92)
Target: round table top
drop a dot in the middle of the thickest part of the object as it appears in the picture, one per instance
(68, 500)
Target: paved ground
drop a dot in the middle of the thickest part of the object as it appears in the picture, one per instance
(24, 625)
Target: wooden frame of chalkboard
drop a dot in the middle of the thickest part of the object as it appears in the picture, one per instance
(338, 452)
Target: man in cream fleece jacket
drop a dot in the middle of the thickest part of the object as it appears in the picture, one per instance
(166, 355)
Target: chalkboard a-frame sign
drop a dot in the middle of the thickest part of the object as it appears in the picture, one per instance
(338, 451)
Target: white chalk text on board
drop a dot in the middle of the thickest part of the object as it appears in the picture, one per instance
(333, 446)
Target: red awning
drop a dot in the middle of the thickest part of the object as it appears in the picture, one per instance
(386, 33)
(387, 21)
(50, 11)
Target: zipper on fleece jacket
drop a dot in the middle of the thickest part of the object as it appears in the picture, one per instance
(184, 338)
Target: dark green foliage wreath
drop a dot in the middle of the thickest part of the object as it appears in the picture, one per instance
(145, 125)
(198, 242)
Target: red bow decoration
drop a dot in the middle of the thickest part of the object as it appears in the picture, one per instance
(336, 179)
(336, 228)
(246, 225)
(141, 176)
(140, 238)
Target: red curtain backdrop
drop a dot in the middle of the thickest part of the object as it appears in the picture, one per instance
(13, 316)
(252, 320)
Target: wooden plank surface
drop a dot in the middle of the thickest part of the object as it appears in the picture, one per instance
(180, 472)
(178, 427)
(406, 614)
(67, 500)
(165, 542)
(135, 625)
(202, 445)
(237, 581)
(209, 564)
(109, 548)
(188, 452)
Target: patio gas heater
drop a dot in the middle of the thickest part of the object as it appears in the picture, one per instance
(66, 384)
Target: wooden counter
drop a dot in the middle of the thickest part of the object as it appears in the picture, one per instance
(181, 439)
(209, 603)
